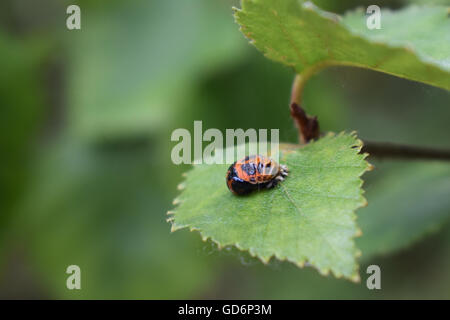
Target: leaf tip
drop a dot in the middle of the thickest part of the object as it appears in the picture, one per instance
(300, 264)
(355, 278)
(358, 232)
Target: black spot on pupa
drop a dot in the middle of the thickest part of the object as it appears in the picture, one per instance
(249, 168)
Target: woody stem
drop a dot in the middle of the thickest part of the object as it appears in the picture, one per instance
(308, 128)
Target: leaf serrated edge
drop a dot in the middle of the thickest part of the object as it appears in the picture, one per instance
(353, 34)
(355, 277)
(407, 47)
(369, 167)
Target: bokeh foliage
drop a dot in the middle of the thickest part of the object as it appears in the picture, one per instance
(86, 176)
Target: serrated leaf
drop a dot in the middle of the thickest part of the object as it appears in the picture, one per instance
(301, 35)
(307, 218)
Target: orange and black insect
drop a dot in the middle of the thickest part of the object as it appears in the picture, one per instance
(254, 173)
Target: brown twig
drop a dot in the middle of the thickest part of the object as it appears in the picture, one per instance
(391, 150)
(308, 128)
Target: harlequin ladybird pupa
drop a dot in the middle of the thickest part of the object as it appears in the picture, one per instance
(254, 173)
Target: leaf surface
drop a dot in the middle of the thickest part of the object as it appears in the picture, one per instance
(307, 218)
(413, 43)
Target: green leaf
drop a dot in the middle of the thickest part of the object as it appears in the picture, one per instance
(301, 35)
(307, 218)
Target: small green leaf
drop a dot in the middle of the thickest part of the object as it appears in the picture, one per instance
(301, 35)
(309, 217)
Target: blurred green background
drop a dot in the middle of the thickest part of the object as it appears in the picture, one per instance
(86, 176)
